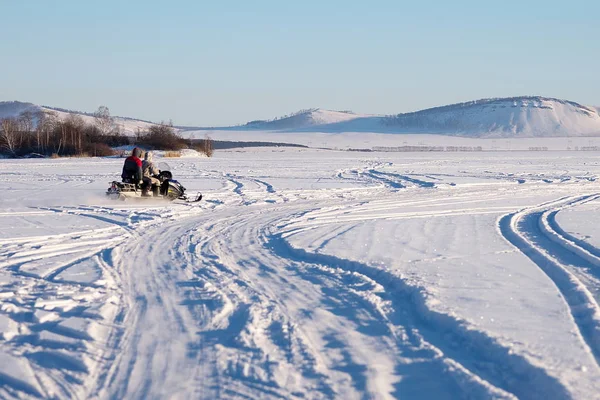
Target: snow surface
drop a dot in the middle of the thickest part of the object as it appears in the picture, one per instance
(382, 142)
(305, 274)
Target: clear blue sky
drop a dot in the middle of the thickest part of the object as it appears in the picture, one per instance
(226, 62)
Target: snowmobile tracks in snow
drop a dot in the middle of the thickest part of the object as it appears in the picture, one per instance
(61, 311)
(477, 363)
(572, 264)
(392, 180)
(249, 322)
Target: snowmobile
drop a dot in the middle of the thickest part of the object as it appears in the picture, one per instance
(169, 189)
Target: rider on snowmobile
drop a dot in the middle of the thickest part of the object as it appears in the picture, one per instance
(149, 172)
(132, 169)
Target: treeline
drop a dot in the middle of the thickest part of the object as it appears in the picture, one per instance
(428, 148)
(227, 144)
(45, 134)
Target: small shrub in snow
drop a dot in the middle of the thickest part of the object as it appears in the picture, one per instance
(161, 137)
(99, 150)
(205, 146)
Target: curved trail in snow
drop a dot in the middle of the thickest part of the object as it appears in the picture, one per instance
(223, 306)
(218, 300)
(573, 265)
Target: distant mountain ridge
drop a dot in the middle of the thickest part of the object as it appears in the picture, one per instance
(524, 116)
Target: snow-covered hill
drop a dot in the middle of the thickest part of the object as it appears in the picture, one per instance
(527, 116)
(310, 118)
(518, 117)
(12, 109)
(509, 117)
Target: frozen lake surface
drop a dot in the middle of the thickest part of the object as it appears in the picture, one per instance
(305, 274)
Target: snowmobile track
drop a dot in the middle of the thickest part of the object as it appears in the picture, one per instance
(535, 233)
(482, 365)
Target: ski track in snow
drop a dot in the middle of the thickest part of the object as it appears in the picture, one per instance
(215, 300)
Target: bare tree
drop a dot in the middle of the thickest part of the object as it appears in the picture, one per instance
(104, 121)
(9, 134)
(46, 122)
(26, 121)
(207, 146)
(73, 127)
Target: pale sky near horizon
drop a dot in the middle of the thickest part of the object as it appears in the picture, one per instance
(209, 63)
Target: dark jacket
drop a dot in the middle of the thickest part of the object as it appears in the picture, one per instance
(132, 170)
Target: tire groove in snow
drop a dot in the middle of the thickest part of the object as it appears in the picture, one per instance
(251, 323)
(533, 232)
(481, 367)
(493, 370)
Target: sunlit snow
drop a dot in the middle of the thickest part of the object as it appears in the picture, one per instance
(305, 273)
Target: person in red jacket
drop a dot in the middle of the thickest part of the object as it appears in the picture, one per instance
(132, 169)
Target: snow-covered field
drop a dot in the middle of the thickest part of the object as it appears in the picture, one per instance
(305, 274)
(399, 142)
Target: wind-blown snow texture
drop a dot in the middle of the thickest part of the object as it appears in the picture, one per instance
(305, 274)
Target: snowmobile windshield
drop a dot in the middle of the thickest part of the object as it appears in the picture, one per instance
(163, 166)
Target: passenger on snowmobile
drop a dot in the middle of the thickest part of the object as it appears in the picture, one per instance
(150, 172)
(170, 189)
(132, 169)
